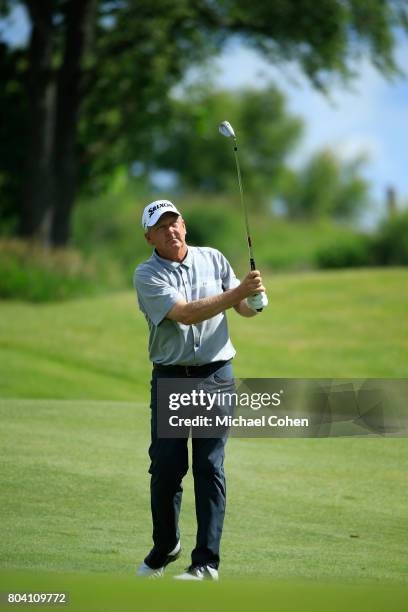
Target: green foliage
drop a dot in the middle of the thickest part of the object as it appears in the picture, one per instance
(192, 146)
(391, 243)
(326, 187)
(138, 55)
(127, 112)
(355, 251)
(388, 246)
(293, 245)
(279, 244)
(323, 37)
(108, 227)
(206, 227)
(267, 133)
(29, 272)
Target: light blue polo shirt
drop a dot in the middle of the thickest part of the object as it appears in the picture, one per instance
(161, 283)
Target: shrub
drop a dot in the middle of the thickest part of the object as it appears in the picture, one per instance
(206, 226)
(349, 252)
(28, 271)
(391, 243)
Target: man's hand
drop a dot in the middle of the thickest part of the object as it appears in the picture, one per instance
(253, 290)
(251, 284)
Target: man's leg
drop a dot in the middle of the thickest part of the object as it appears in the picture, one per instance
(169, 463)
(209, 477)
(210, 499)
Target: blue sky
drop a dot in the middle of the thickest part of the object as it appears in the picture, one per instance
(371, 118)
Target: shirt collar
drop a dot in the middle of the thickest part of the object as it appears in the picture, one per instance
(167, 263)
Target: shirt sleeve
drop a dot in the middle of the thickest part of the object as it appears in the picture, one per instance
(156, 296)
(229, 280)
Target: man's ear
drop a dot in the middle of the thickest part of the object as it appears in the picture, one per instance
(147, 236)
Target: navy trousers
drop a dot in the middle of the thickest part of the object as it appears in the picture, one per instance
(169, 464)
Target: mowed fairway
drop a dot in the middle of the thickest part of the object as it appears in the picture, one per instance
(75, 498)
(307, 520)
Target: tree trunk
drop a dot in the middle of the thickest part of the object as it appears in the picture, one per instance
(80, 23)
(38, 181)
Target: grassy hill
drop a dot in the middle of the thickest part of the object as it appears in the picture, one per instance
(318, 324)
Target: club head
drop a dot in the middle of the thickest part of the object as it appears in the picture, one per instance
(225, 128)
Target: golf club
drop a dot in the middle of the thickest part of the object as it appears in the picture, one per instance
(226, 129)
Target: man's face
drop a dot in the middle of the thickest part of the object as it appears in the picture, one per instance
(168, 236)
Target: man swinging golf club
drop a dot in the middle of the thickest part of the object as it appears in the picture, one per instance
(184, 293)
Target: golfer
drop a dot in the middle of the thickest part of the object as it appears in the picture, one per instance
(183, 292)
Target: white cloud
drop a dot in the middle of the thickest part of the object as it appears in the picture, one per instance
(351, 147)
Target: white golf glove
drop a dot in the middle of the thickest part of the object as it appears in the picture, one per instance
(257, 301)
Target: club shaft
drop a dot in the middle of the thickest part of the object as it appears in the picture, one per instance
(244, 209)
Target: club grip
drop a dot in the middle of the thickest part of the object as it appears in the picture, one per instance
(253, 267)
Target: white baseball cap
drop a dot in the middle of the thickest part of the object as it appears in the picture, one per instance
(155, 210)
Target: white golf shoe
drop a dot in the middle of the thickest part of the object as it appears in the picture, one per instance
(146, 571)
(199, 572)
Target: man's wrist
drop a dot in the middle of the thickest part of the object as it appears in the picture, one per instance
(238, 295)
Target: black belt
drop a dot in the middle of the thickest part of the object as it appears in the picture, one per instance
(190, 370)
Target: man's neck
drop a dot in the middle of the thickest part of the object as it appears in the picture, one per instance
(178, 258)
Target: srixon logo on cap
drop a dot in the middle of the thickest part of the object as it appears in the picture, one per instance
(152, 209)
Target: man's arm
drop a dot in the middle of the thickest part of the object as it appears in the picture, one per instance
(197, 311)
(244, 310)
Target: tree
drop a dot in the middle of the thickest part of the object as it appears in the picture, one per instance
(54, 101)
(326, 187)
(267, 134)
(13, 135)
(100, 72)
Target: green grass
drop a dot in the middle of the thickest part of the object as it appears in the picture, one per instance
(318, 324)
(75, 498)
(311, 524)
(294, 245)
(124, 593)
